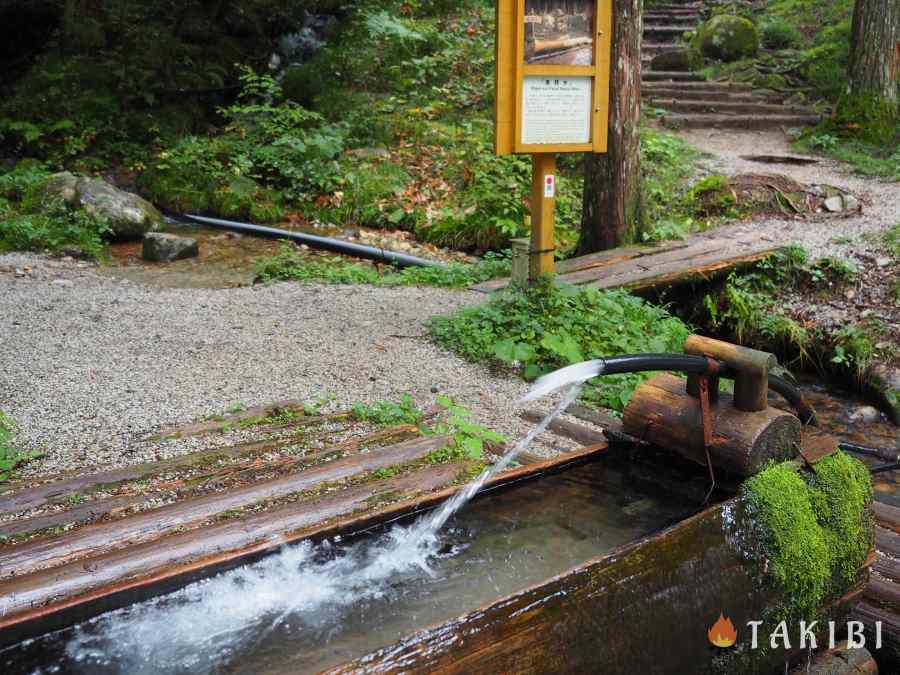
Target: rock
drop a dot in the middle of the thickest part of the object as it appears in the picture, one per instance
(851, 203)
(864, 415)
(677, 60)
(162, 247)
(65, 283)
(882, 262)
(370, 153)
(129, 216)
(885, 381)
(728, 38)
(19, 273)
(834, 204)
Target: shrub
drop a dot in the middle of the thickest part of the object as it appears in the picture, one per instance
(779, 34)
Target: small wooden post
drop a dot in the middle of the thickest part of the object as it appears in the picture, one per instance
(543, 215)
(521, 259)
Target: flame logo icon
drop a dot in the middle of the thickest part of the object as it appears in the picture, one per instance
(722, 632)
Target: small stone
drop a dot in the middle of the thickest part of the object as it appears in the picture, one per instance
(864, 415)
(882, 262)
(65, 283)
(834, 204)
(19, 273)
(851, 203)
(435, 390)
(163, 247)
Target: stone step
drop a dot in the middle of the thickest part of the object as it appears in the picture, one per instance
(657, 47)
(673, 14)
(671, 76)
(731, 107)
(666, 31)
(710, 86)
(754, 122)
(716, 97)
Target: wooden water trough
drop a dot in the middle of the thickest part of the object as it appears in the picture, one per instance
(645, 606)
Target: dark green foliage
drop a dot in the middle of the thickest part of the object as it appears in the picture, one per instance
(779, 34)
(469, 438)
(289, 265)
(543, 328)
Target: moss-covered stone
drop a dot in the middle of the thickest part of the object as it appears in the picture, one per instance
(728, 38)
(678, 60)
(814, 529)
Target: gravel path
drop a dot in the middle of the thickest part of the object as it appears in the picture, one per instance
(92, 365)
(821, 237)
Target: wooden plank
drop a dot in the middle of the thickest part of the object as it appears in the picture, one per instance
(887, 541)
(103, 537)
(50, 596)
(887, 567)
(698, 259)
(883, 593)
(887, 516)
(50, 599)
(595, 417)
(603, 258)
(577, 432)
(205, 427)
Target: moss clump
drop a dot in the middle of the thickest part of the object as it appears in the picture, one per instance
(728, 38)
(815, 530)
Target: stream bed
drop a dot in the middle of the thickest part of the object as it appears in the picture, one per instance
(309, 607)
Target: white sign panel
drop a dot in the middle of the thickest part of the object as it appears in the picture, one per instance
(556, 110)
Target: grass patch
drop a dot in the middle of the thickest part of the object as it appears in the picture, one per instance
(11, 457)
(288, 265)
(542, 328)
(403, 411)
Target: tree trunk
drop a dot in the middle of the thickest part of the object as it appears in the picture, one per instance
(612, 182)
(875, 49)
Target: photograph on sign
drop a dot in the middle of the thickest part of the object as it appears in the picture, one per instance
(559, 32)
(556, 110)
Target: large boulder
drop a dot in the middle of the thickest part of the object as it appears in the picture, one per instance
(681, 60)
(728, 38)
(162, 247)
(129, 216)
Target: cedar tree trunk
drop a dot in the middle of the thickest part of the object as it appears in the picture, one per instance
(875, 49)
(612, 182)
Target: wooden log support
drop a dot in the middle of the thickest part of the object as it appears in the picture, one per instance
(842, 660)
(751, 383)
(661, 412)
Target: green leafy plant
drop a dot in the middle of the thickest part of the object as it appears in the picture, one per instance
(402, 411)
(289, 265)
(11, 457)
(542, 328)
(469, 438)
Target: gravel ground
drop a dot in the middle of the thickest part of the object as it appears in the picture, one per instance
(881, 200)
(92, 365)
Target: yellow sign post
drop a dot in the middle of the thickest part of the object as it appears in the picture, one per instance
(552, 90)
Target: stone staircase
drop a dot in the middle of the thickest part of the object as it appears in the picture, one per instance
(692, 102)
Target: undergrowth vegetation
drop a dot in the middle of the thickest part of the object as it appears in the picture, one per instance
(539, 329)
(11, 456)
(289, 265)
(29, 224)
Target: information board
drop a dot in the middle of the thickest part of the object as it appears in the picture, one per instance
(553, 71)
(556, 110)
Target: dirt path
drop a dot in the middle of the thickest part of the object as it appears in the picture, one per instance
(840, 236)
(93, 365)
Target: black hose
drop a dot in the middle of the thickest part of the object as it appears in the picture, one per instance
(325, 243)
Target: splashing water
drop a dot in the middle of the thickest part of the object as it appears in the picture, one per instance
(207, 624)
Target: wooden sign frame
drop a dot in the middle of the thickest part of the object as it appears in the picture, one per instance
(512, 71)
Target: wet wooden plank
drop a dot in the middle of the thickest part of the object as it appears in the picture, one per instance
(887, 541)
(95, 539)
(204, 427)
(701, 257)
(53, 598)
(577, 432)
(887, 516)
(883, 593)
(887, 567)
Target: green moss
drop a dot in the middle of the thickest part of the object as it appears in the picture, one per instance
(728, 38)
(815, 530)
